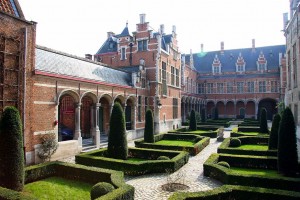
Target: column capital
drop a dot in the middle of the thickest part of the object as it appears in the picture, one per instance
(98, 104)
(78, 105)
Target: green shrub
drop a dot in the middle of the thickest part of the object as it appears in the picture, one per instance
(100, 189)
(163, 158)
(263, 123)
(11, 150)
(117, 139)
(48, 147)
(193, 123)
(273, 141)
(287, 146)
(149, 127)
(203, 115)
(224, 164)
(235, 142)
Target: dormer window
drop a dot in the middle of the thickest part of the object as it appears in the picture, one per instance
(216, 66)
(240, 64)
(261, 62)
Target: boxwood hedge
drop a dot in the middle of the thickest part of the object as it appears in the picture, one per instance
(98, 158)
(200, 142)
(207, 133)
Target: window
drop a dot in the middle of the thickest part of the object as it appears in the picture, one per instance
(217, 69)
(177, 77)
(274, 86)
(240, 87)
(175, 108)
(172, 75)
(220, 88)
(240, 68)
(143, 83)
(201, 88)
(210, 88)
(229, 87)
(294, 66)
(139, 108)
(123, 53)
(261, 67)
(164, 79)
(262, 86)
(142, 45)
(250, 87)
(289, 70)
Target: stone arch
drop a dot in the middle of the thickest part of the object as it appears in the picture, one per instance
(130, 112)
(250, 109)
(230, 109)
(86, 112)
(221, 108)
(91, 95)
(72, 93)
(240, 109)
(105, 101)
(210, 108)
(120, 99)
(270, 105)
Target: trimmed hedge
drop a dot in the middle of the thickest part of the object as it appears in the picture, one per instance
(208, 127)
(98, 158)
(226, 149)
(229, 192)
(149, 127)
(249, 124)
(70, 171)
(211, 134)
(228, 176)
(249, 129)
(193, 122)
(200, 143)
(217, 123)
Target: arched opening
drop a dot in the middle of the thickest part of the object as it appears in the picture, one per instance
(250, 110)
(221, 109)
(210, 109)
(230, 109)
(85, 117)
(269, 105)
(104, 115)
(240, 105)
(66, 118)
(129, 114)
(242, 113)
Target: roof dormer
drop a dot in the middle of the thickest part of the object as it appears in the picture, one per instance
(240, 64)
(216, 65)
(261, 62)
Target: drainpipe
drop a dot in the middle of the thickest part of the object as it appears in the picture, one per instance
(24, 89)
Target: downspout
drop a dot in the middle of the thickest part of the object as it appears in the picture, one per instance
(24, 90)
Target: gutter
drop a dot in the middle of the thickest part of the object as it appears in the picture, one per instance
(24, 90)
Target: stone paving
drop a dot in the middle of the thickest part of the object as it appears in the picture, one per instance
(148, 187)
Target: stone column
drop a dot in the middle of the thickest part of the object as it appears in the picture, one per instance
(77, 134)
(234, 110)
(96, 131)
(256, 110)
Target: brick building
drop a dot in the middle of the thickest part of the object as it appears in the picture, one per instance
(237, 82)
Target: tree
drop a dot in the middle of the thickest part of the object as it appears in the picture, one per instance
(193, 123)
(273, 140)
(149, 127)
(263, 123)
(287, 146)
(48, 146)
(203, 115)
(117, 139)
(216, 113)
(11, 150)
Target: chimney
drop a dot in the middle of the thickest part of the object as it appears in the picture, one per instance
(222, 47)
(191, 59)
(162, 29)
(109, 34)
(89, 56)
(253, 45)
(174, 31)
(201, 48)
(142, 18)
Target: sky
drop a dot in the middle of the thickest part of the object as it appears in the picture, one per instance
(80, 27)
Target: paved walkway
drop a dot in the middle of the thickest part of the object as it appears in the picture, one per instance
(148, 187)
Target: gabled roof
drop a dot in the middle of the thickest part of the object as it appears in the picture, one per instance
(203, 61)
(11, 7)
(58, 63)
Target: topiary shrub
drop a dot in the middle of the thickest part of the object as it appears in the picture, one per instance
(273, 140)
(193, 123)
(149, 127)
(163, 158)
(263, 123)
(287, 146)
(117, 139)
(224, 164)
(100, 189)
(11, 150)
(235, 142)
(203, 115)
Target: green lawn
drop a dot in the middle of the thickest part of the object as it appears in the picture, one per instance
(176, 143)
(58, 188)
(253, 147)
(200, 131)
(137, 159)
(260, 172)
(249, 133)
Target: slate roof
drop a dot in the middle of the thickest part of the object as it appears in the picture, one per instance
(203, 61)
(165, 39)
(58, 63)
(11, 7)
(135, 68)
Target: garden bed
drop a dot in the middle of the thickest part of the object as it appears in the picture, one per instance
(178, 142)
(229, 192)
(71, 173)
(261, 163)
(251, 142)
(247, 132)
(205, 133)
(98, 158)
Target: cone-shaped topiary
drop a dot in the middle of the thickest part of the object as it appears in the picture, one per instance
(273, 140)
(287, 146)
(193, 123)
(203, 115)
(216, 113)
(149, 127)
(100, 189)
(263, 123)
(117, 139)
(11, 150)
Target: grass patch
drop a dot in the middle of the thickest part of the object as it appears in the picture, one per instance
(253, 147)
(259, 172)
(175, 143)
(199, 131)
(136, 159)
(249, 133)
(58, 188)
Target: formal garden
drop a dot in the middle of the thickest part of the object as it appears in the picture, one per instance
(255, 162)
